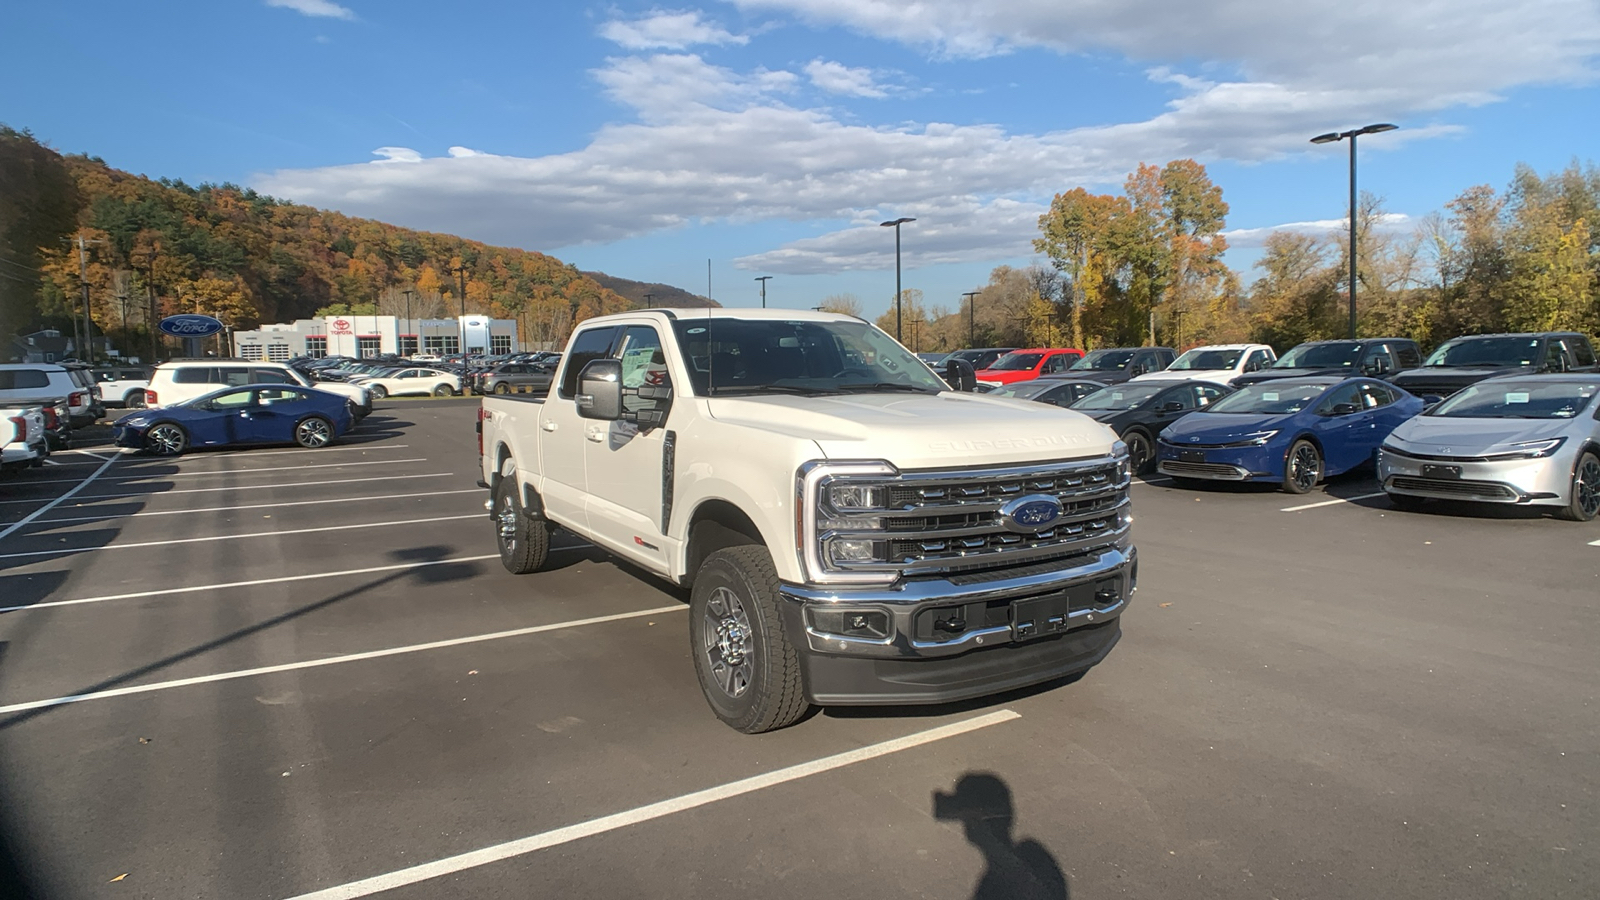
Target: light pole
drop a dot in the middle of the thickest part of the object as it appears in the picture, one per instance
(763, 279)
(896, 225)
(972, 317)
(461, 270)
(416, 339)
(1330, 138)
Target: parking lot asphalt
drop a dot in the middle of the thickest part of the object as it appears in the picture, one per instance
(280, 673)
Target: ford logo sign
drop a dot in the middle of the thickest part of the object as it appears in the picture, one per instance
(1031, 514)
(190, 326)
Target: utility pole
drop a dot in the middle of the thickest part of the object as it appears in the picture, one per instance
(150, 297)
(764, 279)
(122, 300)
(461, 271)
(972, 317)
(83, 282)
(648, 296)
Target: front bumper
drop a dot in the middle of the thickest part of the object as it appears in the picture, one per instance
(1028, 625)
(1221, 463)
(1535, 482)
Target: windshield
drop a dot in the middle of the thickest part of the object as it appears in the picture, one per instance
(1320, 356)
(1518, 400)
(1501, 351)
(1201, 358)
(1123, 397)
(1272, 398)
(738, 356)
(1015, 362)
(1104, 360)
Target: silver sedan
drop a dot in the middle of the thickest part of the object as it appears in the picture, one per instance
(1525, 439)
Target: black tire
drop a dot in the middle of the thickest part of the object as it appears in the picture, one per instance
(1406, 502)
(166, 439)
(133, 399)
(1584, 504)
(379, 392)
(524, 542)
(748, 669)
(1302, 468)
(442, 390)
(313, 432)
(1141, 451)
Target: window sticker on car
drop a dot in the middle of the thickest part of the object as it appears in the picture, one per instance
(697, 331)
(1269, 396)
(1517, 398)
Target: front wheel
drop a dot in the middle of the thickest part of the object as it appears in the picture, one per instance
(1303, 468)
(524, 542)
(166, 439)
(501, 388)
(1584, 504)
(379, 392)
(313, 432)
(1141, 455)
(748, 669)
(442, 390)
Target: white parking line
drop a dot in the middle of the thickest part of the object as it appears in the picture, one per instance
(154, 477)
(225, 454)
(53, 503)
(333, 660)
(1594, 543)
(222, 537)
(137, 595)
(247, 487)
(179, 512)
(548, 839)
(1331, 502)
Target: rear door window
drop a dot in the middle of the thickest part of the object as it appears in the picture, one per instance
(268, 376)
(1582, 353)
(1407, 355)
(589, 345)
(23, 379)
(196, 375)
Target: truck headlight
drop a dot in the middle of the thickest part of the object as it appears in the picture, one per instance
(834, 502)
(847, 497)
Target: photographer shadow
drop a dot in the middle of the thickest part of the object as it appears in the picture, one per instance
(1012, 870)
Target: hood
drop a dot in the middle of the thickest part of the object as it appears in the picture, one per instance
(922, 431)
(1275, 374)
(1447, 436)
(1459, 376)
(1006, 376)
(1221, 428)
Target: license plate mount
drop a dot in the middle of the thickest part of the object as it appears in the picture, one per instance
(1192, 456)
(1448, 473)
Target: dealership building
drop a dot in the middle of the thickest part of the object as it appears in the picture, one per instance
(364, 336)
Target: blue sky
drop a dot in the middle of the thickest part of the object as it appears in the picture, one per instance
(770, 136)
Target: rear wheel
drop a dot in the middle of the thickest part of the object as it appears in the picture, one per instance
(166, 439)
(313, 432)
(501, 388)
(1141, 455)
(442, 390)
(379, 392)
(524, 542)
(133, 399)
(748, 669)
(1584, 504)
(1303, 468)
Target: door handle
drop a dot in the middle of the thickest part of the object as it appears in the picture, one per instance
(547, 425)
(596, 434)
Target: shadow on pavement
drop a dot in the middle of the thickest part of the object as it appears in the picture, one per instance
(14, 883)
(1012, 869)
(432, 575)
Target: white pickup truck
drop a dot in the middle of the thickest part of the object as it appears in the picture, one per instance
(852, 530)
(22, 438)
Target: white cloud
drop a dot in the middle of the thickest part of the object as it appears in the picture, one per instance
(322, 9)
(660, 30)
(838, 78)
(1243, 238)
(397, 154)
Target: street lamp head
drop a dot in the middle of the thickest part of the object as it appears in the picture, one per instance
(1328, 138)
(1374, 129)
(900, 221)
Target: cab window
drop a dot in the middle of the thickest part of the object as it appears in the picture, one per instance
(1058, 363)
(644, 364)
(1555, 360)
(588, 346)
(1582, 353)
(1408, 355)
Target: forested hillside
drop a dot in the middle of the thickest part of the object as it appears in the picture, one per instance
(244, 257)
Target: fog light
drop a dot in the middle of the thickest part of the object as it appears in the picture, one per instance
(858, 623)
(852, 550)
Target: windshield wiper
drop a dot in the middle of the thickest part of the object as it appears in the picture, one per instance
(886, 386)
(735, 390)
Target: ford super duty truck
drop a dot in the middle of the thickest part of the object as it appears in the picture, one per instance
(851, 529)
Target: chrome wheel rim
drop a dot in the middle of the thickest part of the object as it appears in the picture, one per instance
(729, 648)
(1588, 487)
(313, 433)
(166, 440)
(1303, 467)
(507, 523)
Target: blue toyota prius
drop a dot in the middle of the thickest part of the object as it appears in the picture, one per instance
(252, 414)
(1293, 432)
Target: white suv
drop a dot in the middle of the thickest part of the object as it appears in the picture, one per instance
(185, 379)
(1220, 363)
(36, 384)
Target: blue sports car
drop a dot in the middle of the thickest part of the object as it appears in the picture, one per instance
(252, 414)
(1292, 432)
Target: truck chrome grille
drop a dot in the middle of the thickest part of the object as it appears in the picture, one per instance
(942, 522)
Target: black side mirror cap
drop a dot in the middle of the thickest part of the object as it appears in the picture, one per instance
(600, 390)
(1344, 409)
(961, 376)
(1171, 406)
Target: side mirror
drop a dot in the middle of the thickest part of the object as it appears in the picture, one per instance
(961, 376)
(600, 390)
(1431, 400)
(1171, 406)
(1344, 409)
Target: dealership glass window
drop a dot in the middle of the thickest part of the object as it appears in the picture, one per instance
(278, 352)
(441, 343)
(408, 345)
(316, 347)
(499, 343)
(250, 351)
(367, 347)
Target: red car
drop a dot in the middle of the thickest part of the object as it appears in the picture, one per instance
(1026, 365)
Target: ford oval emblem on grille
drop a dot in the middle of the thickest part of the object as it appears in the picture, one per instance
(1031, 514)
